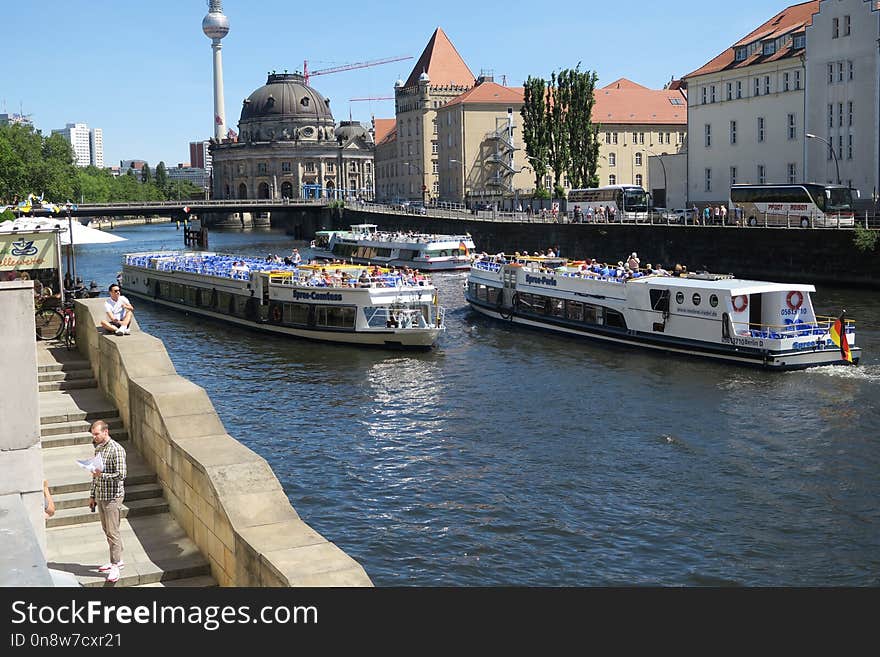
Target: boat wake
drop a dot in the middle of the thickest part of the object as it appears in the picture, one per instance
(869, 373)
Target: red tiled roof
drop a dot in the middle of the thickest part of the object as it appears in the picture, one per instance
(383, 127)
(489, 92)
(623, 83)
(391, 136)
(639, 105)
(441, 61)
(788, 20)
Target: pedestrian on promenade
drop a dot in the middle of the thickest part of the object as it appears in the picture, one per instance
(107, 493)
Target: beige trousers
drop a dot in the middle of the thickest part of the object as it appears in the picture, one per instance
(109, 512)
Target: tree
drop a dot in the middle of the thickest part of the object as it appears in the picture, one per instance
(146, 176)
(557, 123)
(583, 144)
(162, 177)
(535, 133)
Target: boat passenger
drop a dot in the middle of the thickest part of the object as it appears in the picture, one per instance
(633, 261)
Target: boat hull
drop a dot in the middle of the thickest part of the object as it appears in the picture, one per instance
(765, 359)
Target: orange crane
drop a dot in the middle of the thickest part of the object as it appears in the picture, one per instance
(349, 67)
(354, 100)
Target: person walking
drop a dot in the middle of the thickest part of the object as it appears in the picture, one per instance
(107, 493)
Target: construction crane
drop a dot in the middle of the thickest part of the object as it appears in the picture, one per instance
(354, 100)
(349, 67)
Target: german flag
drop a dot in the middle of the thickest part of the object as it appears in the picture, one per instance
(462, 246)
(838, 336)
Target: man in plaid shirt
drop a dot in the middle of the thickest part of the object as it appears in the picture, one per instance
(108, 491)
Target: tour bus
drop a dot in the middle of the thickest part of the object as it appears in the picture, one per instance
(805, 205)
(630, 202)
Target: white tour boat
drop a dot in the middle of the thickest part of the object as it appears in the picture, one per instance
(339, 303)
(365, 244)
(771, 325)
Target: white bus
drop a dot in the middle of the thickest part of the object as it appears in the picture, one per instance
(805, 205)
(630, 202)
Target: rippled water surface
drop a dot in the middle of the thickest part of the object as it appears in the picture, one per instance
(511, 456)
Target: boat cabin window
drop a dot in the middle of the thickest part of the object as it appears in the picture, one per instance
(341, 317)
(574, 310)
(660, 300)
(296, 313)
(614, 318)
(532, 303)
(556, 307)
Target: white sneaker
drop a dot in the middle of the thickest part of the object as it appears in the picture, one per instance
(108, 566)
(113, 574)
(120, 331)
(126, 330)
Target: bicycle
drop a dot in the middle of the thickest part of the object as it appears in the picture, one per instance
(54, 324)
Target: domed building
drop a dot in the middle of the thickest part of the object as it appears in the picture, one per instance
(289, 146)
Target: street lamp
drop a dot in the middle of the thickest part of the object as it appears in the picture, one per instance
(831, 148)
(663, 166)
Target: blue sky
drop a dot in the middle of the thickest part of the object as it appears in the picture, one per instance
(142, 70)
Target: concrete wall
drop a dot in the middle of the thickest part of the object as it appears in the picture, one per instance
(224, 495)
(808, 256)
(21, 461)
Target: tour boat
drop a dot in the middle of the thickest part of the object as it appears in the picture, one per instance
(365, 244)
(339, 303)
(771, 325)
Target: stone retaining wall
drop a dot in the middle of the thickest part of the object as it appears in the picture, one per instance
(223, 494)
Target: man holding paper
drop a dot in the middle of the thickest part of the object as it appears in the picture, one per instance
(108, 492)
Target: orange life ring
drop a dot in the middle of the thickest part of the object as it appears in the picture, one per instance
(795, 294)
(276, 313)
(739, 307)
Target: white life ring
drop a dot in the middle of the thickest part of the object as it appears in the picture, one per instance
(744, 302)
(795, 299)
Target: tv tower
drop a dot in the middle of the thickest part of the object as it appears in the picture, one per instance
(216, 26)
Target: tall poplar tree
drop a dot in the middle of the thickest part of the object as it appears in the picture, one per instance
(582, 132)
(558, 152)
(535, 127)
(162, 177)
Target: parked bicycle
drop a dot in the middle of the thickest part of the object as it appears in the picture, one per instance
(54, 324)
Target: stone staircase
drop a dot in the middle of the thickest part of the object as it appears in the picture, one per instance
(157, 551)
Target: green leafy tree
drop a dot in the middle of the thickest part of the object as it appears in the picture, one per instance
(558, 153)
(535, 132)
(162, 177)
(583, 144)
(146, 176)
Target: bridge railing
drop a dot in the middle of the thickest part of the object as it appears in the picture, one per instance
(280, 203)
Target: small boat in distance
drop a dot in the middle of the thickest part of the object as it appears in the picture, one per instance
(365, 244)
(338, 303)
(771, 325)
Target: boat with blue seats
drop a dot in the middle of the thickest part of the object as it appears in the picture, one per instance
(366, 244)
(718, 316)
(338, 303)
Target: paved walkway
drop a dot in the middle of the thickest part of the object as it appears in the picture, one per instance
(157, 550)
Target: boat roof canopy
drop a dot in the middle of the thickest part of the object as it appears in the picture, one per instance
(735, 286)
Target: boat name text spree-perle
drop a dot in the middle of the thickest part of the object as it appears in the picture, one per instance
(339, 303)
(771, 325)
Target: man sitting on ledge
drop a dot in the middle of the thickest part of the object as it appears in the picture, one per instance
(119, 313)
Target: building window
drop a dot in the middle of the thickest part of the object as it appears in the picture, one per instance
(435, 167)
(849, 146)
(330, 167)
(729, 91)
(612, 179)
(641, 138)
(638, 159)
(708, 180)
(635, 137)
(433, 148)
(830, 115)
(766, 84)
(830, 147)
(792, 128)
(613, 137)
(830, 73)
(285, 167)
(849, 113)
(435, 126)
(733, 132)
(739, 89)
(835, 28)
(732, 175)
(760, 128)
(846, 26)
(310, 167)
(839, 147)
(840, 71)
(840, 114)
(849, 65)
(792, 173)
(798, 41)
(607, 137)
(797, 79)
(785, 81)
(708, 135)
(741, 54)
(712, 93)
(762, 174)
(704, 95)
(769, 47)
(612, 159)
(436, 187)
(639, 179)
(261, 168)
(757, 87)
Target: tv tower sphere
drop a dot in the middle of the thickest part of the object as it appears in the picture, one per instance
(215, 25)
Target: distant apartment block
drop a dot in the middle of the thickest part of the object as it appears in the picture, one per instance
(137, 165)
(199, 155)
(12, 119)
(88, 145)
(196, 175)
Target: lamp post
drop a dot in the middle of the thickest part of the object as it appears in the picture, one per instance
(831, 148)
(662, 166)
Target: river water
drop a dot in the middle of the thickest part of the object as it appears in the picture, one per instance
(513, 457)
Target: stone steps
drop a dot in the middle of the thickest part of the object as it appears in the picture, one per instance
(80, 498)
(80, 438)
(81, 514)
(59, 375)
(48, 429)
(68, 384)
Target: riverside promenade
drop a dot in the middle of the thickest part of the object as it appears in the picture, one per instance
(200, 509)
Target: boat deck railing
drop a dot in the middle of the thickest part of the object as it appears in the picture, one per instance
(794, 329)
